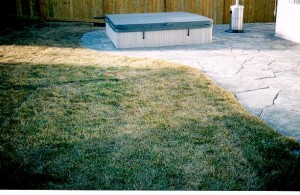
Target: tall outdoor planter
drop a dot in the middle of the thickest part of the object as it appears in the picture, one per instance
(288, 20)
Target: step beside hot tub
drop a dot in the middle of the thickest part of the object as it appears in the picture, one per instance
(158, 29)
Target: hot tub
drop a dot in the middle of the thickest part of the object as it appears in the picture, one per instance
(158, 29)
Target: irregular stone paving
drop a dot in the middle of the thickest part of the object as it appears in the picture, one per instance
(262, 70)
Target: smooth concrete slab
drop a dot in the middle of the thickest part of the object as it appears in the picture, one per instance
(263, 71)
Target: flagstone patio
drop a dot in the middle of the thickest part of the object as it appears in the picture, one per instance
(263, 71)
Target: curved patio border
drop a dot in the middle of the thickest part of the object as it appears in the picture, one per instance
(263, 71)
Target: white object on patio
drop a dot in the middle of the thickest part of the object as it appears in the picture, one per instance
(237, 17)
(288, 20)
(158, 29)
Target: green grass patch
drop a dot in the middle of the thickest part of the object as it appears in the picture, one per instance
(116, 123)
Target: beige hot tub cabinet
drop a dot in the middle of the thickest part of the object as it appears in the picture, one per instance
(158, 29)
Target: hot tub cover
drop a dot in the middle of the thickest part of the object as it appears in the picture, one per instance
(156, 21)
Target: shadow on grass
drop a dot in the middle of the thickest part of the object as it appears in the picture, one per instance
(18, 166)
(17, 175)
(154, 158)
(275, 166)
(268, 152)
(14, 31)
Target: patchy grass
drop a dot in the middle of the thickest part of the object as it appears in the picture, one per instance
(72, 118)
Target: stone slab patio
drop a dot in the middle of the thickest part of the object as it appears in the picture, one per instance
(263, 71)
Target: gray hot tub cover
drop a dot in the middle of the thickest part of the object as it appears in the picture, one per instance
(156, 21)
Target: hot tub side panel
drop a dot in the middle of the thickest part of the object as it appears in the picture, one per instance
(112, 35)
